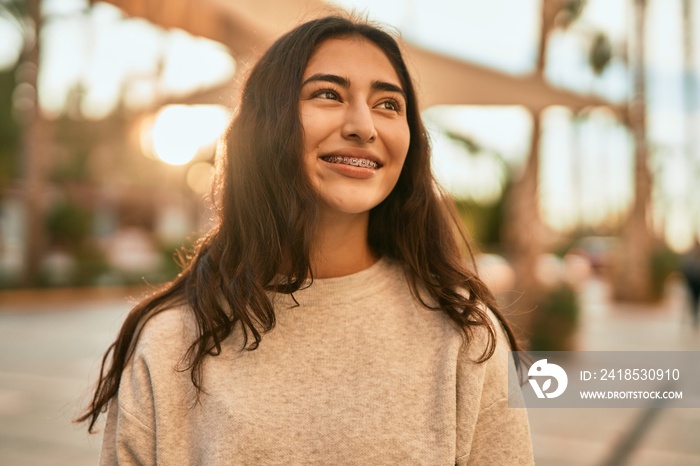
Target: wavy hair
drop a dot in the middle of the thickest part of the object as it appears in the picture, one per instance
(267, 214)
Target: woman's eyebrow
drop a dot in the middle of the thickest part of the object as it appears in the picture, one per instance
(345, 83)
(385, 86)
(331, 78)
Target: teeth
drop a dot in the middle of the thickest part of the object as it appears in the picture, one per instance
(354, 161)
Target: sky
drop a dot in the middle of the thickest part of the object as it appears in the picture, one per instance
(585, 163)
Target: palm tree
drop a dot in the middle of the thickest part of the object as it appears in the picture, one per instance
(691, 104)
(26, 16)
(10, 13)
(523, 230)
(633, 280)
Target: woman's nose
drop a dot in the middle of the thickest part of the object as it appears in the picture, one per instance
(359, 124)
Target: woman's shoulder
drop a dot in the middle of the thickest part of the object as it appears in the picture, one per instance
(169, 331)
(487, 338)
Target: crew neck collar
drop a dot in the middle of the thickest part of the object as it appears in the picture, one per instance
(328, 291)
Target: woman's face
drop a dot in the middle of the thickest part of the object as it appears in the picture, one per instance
(356, 136)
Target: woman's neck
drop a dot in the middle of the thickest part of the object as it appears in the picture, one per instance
(341, 245)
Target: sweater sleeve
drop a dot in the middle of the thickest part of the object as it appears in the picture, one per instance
(129, 435)
(126, 440)
(489, 431)
(150, 387)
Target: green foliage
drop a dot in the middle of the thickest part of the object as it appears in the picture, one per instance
(9, 131)
(68, 224)
(557, 320)
(600, 54)
(571, 11)
(91, 263)
(471, 145)
(663, 263)
(170, 263)
(73, 169)
(483, 222)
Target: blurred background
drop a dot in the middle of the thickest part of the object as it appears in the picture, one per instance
(567, 131)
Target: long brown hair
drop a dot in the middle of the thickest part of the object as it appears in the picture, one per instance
(267, 214)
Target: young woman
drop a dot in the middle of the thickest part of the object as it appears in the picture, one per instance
(330, 317)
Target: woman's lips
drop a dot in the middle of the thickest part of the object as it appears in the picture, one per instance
(348, 169)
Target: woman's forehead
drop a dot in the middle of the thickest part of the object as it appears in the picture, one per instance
(352, 56)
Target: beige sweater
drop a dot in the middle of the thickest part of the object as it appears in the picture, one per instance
(358, 374)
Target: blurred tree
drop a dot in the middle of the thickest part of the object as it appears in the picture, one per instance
(32, 133)
(691, 119)
(14, 13)
(633, 277)
(524, 230)
(554, 326)
(33, 136)
(9, 140)
(483, 220)
(68, 224)
(600, 52)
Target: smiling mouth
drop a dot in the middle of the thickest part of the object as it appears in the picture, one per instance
(352, 161)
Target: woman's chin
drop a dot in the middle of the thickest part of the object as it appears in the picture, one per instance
(349, 207)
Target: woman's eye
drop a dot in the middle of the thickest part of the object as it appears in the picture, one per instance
(390, 105)
(326, 94)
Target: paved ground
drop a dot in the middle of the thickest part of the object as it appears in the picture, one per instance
(50, 347)
(635, 437)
